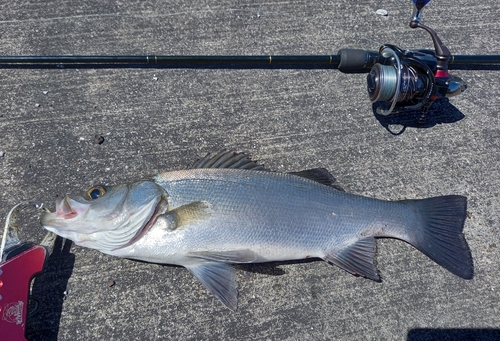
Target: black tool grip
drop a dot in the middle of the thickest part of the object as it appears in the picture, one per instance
(356, 60)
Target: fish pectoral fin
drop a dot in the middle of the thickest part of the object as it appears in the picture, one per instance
(232, 256)
(193, 212)
(219, 279)
(357, 258)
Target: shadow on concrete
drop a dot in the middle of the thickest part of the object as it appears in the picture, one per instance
(440, 112)
(48, 293)
(453, 335)
(272, 268)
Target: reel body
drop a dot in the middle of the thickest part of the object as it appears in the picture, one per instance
(409, 80)
(412, 80)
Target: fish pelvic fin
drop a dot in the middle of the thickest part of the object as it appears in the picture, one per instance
(357, 258)
(219, 279)
(440, 237)
(231, 256)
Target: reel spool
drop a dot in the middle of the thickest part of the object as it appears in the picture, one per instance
(407, 83)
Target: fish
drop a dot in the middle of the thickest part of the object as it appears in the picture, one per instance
(226, 209)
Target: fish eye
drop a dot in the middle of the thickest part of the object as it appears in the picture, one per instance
(96, 192)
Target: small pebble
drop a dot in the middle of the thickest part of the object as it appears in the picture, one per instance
(2, 153)
(111, 283)
(99, 139)
(382, 12)
(45, 92)
(37, 105)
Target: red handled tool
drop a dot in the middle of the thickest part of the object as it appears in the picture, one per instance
(20, 262)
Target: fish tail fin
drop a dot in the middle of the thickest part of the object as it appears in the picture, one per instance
(440, 236)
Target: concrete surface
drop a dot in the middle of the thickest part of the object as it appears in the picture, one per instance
(154, 120)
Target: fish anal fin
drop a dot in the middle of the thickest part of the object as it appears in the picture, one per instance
(321, 175)
(219, 279)
(187, 214)
(232, 256)
(357, 258)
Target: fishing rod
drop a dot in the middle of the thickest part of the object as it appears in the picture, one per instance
(341, 61)
(400, 80)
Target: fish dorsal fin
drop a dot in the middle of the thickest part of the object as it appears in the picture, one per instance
(357, 258)
(320, 175)
(227, 159)
(218, 278)
(231, 159)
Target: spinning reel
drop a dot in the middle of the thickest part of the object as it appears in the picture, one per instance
(412, 80)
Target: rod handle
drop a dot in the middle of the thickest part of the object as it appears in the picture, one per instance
(357, 61)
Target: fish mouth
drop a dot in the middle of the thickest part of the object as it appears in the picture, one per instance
(64, 209)
(161, 208)
(67, 208)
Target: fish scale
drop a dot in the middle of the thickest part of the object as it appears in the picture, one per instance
(269, 205)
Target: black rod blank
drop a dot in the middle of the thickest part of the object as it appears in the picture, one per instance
(473, 59)
(217, 62)
(327, 62)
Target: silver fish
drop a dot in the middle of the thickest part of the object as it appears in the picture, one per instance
(227, 209)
